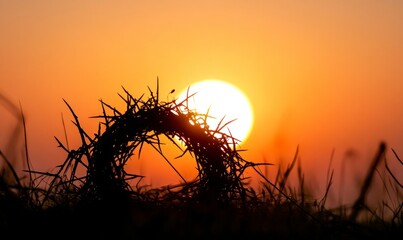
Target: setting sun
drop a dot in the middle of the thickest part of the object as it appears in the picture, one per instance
(223, 103)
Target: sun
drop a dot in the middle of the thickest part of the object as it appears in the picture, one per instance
(223, 102)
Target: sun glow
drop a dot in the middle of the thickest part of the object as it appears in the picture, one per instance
(222, 102)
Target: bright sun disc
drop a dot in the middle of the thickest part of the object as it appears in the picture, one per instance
(223, 102)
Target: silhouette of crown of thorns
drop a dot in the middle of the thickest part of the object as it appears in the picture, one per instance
(218, 161)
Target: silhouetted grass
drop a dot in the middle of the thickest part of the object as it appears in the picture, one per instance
(91, 195)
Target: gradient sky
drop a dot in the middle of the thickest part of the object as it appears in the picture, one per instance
(322, 75)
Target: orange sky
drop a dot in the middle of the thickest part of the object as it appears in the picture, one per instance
(323, 75)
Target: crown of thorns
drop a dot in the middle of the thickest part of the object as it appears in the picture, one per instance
(218, 161)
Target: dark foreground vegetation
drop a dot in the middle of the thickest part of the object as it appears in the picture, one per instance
(92, 196)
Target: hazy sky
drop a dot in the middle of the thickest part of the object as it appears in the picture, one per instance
(321, 75)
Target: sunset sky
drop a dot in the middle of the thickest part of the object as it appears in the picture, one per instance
(322, 75)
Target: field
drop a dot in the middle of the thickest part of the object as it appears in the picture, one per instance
(92, 196)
